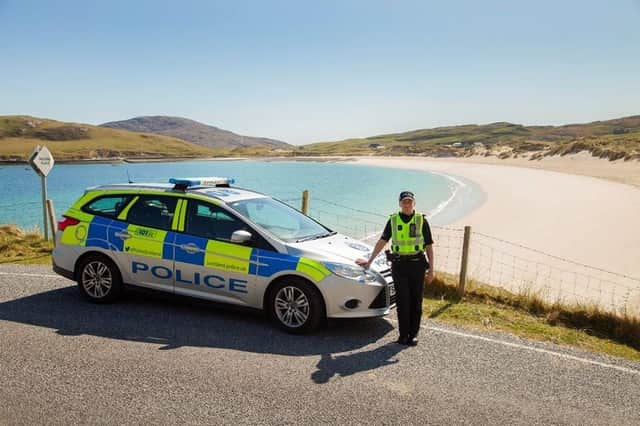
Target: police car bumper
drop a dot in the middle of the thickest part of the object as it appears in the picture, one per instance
(351, 299)
(64, 272)
(63, 258)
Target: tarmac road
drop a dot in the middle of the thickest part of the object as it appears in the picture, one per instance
(150, 359)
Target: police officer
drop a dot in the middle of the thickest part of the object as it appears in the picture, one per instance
(410, 236)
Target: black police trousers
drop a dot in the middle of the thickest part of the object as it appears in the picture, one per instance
(408, 278)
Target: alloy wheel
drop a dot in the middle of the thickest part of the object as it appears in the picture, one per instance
(292, 306)
(97, 279)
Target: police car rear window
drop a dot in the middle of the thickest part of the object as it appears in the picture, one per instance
(107, 205)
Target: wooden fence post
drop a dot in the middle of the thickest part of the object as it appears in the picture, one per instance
(465, 259)
(52, 219)
(305, 202)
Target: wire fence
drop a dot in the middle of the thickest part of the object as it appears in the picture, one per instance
(499, 263)
(524, 270)
(19, 205)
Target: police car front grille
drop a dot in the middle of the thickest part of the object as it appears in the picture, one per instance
(381, 299)
(389, 279)
(386, 274)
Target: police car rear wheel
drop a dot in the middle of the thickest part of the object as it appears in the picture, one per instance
(99, 279)
(296, 307)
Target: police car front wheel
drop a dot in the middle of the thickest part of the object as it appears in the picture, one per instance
(296, 307)
(99, 279)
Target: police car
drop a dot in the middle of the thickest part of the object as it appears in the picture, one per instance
(204, 238)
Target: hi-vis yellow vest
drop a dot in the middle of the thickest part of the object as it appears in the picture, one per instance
(402, 242)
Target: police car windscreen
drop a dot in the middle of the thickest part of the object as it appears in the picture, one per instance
(279, 219)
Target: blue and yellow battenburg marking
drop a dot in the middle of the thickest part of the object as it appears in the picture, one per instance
(194, 278)
(97, 231)
(219, 255)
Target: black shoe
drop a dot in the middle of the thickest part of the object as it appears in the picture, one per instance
(412, 341)
(402, 340)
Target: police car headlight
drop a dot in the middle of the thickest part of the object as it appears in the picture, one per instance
(356, 273)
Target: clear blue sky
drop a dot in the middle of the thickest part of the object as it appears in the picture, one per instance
(304, 71)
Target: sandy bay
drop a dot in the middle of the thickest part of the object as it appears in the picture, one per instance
(558, 206)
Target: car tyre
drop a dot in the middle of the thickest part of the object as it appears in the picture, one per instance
(99, 279)
(296, 306)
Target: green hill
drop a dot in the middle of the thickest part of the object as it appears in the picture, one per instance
(72, 141)
(612, 139)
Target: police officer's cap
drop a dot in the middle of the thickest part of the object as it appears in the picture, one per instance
(406, 194)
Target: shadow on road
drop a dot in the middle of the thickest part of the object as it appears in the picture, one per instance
(174, 322)
(346, 365)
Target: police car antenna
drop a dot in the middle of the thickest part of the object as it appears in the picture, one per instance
(128, 177)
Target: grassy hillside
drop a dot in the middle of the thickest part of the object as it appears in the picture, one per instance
(71, 141)
(613, 139)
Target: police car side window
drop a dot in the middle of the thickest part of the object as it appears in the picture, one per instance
(210, 222)
(154, 211)
(213, 223)
(108, 205)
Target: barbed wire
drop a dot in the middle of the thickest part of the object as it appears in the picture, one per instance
(357, 219)
(556, 257)
(286, 192)
(522, 259)
(26, 203)
(584, 284)
(350, 208)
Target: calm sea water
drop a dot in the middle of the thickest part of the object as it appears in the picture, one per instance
(350, 198)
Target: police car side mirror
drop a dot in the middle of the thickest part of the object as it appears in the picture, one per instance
(241, 236)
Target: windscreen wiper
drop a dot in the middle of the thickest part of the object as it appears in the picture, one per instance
(317, 237)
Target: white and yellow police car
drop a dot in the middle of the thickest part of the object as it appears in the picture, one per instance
(204, 238)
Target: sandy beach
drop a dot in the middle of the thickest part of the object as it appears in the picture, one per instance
(582, 163)
(586, 219)
(582, 218)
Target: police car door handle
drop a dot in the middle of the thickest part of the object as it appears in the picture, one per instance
(123, 235)
(190, 248)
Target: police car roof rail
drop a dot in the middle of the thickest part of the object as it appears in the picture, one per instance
(182, 184)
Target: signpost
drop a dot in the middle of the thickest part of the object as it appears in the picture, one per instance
(42, 162)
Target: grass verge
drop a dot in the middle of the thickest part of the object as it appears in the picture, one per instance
(488, 308)
(23, 246)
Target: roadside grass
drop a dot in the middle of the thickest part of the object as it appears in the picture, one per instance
(23, 246)
(483, 307)
(492, 309)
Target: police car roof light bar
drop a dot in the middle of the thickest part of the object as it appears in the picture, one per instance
(182, 184)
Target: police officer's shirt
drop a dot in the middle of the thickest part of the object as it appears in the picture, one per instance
(426, 229)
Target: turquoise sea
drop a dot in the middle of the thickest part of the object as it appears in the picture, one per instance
(350, 198)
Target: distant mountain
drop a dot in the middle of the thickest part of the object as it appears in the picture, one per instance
(192, 131)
